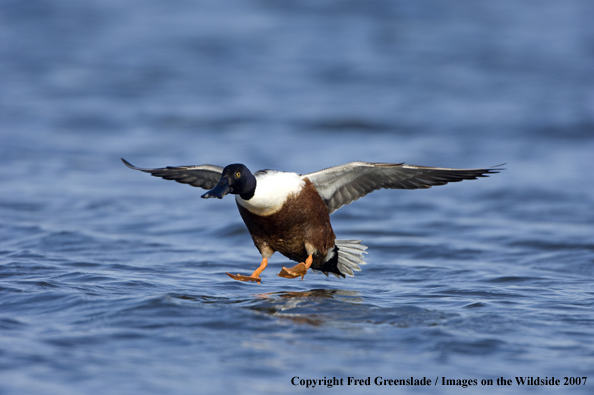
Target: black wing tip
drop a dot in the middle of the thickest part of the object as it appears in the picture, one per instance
(130, 165)
(494, 170)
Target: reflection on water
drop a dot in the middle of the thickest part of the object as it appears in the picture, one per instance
(313, 294)
(306, 307)
(334, 307)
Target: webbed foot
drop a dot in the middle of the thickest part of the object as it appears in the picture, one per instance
(299, 270)
(240, 277)
(255, 277)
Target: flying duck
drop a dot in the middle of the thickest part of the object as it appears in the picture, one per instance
(290, 213)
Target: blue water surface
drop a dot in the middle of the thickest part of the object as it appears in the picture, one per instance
(112, 281)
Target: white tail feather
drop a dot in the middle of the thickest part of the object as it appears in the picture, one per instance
(350, 256)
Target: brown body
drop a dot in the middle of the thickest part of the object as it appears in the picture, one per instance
(299, 229)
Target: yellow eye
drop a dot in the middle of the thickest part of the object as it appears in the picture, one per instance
(237, 175)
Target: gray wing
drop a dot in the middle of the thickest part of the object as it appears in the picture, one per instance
(340, 185)
(203, 176)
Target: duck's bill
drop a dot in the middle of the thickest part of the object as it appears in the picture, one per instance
(219, 191)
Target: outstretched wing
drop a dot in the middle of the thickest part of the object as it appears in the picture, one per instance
(203, 176)
(340, 185)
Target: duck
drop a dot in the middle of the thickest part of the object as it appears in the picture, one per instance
(289, 213)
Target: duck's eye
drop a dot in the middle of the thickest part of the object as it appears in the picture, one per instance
(237, 175)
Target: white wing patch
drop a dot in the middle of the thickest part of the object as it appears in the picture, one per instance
(335, 179)
(272, 190)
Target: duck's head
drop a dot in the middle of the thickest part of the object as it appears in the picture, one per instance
(236, 179)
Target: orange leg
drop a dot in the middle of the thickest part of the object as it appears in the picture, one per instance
(298, 270)
(255, 277)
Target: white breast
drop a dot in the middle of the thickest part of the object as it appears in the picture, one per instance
(272, 190)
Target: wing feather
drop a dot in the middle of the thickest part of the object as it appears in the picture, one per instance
(341, 185)
(202, 176)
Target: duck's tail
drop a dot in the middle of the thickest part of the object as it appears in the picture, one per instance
(348, 255)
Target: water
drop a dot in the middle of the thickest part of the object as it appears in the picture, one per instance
(113, 281)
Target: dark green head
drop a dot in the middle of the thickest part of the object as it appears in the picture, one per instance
(236, 179)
